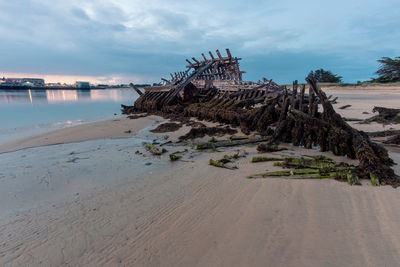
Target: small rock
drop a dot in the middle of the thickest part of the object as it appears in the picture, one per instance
(148, 163)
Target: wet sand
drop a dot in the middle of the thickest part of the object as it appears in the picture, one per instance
(116, 128)
(114, 210)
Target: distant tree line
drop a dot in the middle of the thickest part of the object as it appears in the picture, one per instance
(325, 76)
(389, 70)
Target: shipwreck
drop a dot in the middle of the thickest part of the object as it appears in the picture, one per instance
(213, 89)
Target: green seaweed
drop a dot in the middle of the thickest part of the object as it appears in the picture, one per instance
(374, 181)
(220, 164)
(269, 174)
(226, 159)
(302, 163)
(204, 146)
(320, 158)
(241, 137)
(269, 148)
(352, 178)
(154, 150)
(263, 159)
(305, 171)
(314, 167)
(174, 157)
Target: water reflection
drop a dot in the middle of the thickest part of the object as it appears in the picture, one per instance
(58, 96)
(61, 96)
(28, 112)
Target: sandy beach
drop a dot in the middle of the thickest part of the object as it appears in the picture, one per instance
(82, 196)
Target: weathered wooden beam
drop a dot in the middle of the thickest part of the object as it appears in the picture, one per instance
(195, 60)
(294, 95)
(205, 59)
(190, 63)
(303, 88)
(244, 92)
(219, 54)
(165, 80)
(221, 73)
(211, 55)
(135, 88)
(228, 53)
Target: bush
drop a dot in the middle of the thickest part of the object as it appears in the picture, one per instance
(325, 76)
(389, 70)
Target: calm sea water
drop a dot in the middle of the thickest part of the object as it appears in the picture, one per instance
(27, 112)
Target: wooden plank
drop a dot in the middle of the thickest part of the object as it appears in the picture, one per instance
(239, 93)
(165, 80)
(219, 54)
(294, 95)
(135, 88)
(205, 59)
(190, 63)
(195, 60)
(228, 53)
(211, 55)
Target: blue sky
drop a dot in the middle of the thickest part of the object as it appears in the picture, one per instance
(141, 41)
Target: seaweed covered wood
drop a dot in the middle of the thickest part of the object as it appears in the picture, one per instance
(213, 90)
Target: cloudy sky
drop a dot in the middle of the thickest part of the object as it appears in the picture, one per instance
(141, 41)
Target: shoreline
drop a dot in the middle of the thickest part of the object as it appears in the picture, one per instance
(106, 129)
(114, 128)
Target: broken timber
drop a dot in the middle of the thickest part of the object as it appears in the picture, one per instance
(213, 89)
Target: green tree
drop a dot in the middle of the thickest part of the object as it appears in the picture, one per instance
(325, 76)
(389, 70)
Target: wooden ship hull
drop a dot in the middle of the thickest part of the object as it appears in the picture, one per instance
(217, 76)
(213, 89)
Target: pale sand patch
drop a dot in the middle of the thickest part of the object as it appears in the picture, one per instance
(364, 100)
(392, 89)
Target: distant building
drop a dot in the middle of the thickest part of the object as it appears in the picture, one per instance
(82, 85)
(33, 82)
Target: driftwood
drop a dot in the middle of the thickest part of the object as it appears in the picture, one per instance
(210, 131)
(271, 110)
(136, 89)
(395, 140)
(384, 133)
(345, 106)
(230, 143)
(385, 116)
